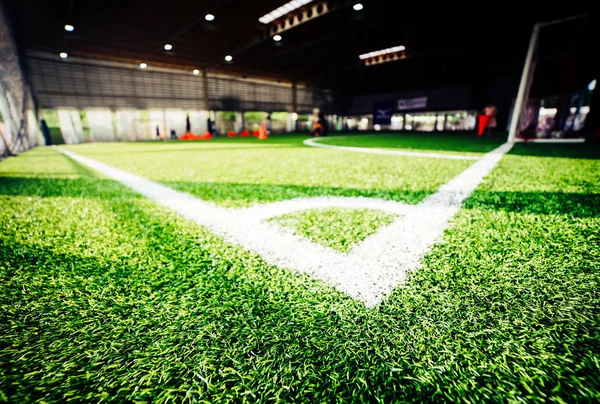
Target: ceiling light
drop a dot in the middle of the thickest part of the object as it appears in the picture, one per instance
(209, 17)
(283, 10)
(592, 85)
(358, 7)
(63, 55)
(196, 72)
(69, 28)
(382, 52)
(143, 65)
(228, 58)
(277, 38)
(168, 46)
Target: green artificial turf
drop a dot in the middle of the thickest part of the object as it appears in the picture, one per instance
(452, 143)
(337, 228)
(241, 172)
(105, 296)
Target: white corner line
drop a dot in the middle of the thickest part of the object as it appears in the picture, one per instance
(373, 150)
(369, 272)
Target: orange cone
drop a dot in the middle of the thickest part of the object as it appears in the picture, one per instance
(245, 133)
(188, 136)
(206, 136)
(231, 134)
(262, 133)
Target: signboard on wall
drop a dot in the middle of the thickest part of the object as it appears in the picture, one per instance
(408, 104)
(382, 113)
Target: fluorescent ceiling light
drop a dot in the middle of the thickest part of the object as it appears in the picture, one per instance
(382, 52)
(143, 65)
(69, 28)
(196, 72)
(209, 17)
(228, 58)
(283, 10)
(63, 55)
(168, 46)
(358, 7)
(277, 38)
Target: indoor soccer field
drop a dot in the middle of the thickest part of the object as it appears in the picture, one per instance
(114, 290)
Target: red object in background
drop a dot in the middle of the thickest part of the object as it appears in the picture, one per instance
(245, 133)
(483, 121)
(191, 136)
(188, 136)
(231, 134)
(255, 133)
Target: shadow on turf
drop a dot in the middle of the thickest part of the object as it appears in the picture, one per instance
(60, 187)
(449, 142)
(565, 150)
(238, 194)
(246, 193)
(88, 185)
(5, 175)
(545, 203)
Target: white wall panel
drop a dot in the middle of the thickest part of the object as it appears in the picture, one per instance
(101, 125)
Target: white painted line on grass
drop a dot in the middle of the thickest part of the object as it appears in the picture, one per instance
(369, 272)
(269, 210)
(373, 150)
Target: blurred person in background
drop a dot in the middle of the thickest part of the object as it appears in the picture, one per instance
(488, 116)
(320, 127)
(268, 124)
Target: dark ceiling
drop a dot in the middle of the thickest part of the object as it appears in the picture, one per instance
(448, 44)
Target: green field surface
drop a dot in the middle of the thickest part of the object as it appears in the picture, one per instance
(337, 228)
(450, 143)
(242, 172)
(467, 144)
(106, 296)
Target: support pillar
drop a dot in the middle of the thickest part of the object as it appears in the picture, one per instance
(239, 122)
(295, 105)
(205, 83)
(291, 122)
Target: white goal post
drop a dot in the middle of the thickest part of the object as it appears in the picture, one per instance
(527, 75)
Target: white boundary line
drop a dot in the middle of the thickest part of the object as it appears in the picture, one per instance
(373, 150)
(367, 273)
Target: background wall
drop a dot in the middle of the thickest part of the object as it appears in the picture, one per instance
(87, 83)
(438, 99)
(18, 124)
